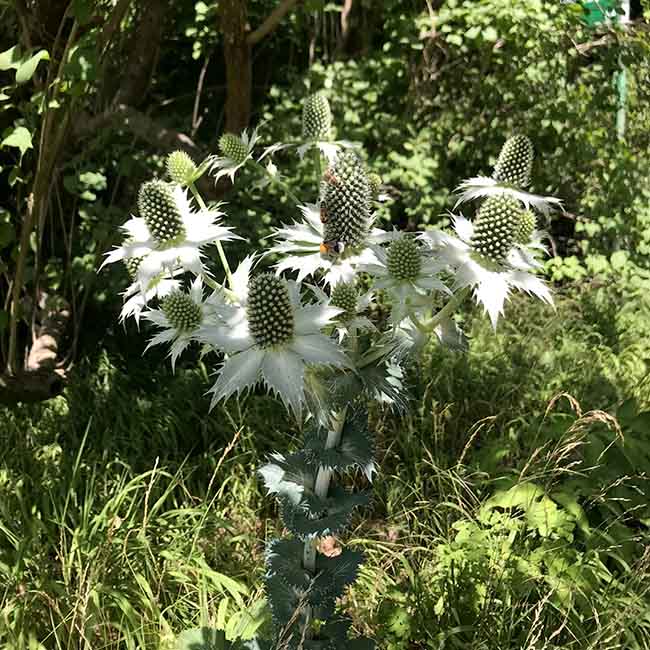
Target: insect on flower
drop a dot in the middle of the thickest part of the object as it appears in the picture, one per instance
(330, 177)
(332, 247)
(324, 216)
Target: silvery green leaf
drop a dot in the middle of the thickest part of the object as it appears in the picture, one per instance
(288, 476)
(316, 517)
(288, 606)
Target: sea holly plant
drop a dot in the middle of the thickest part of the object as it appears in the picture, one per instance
(325, 320)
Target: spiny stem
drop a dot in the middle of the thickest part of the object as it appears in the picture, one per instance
(323, 479)
(321, 488)
(278, 181)
(222, 254)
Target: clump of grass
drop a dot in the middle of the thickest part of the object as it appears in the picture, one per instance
(128, 512)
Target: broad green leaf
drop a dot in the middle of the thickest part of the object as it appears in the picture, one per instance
(10, 58)
(27, 68)
(20, 138)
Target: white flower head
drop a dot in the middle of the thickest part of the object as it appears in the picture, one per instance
(168, 235)
(408, 272)
(511, 177)
(179, 317)
(268, 335)
(492, 257)
(236, 151)
(305, 250)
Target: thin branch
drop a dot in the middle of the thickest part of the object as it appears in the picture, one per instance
(196, 120)
(271, 22)
(112, 25)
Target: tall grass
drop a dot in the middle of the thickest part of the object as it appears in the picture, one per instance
(129, 513)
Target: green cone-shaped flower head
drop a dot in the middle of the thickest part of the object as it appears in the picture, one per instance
(515, 162)
(181, 168)
(375, 184)
(316, 117)
(132, 265)
(495, 227)
(344, 296)
(526, 227)
(233, 147)
(270, 314)
(181, 311)
(345, 201)
(403, 259)
(158, 208)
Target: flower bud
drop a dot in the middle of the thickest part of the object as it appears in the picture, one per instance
(403, 259)
(316, 117)
(233, 147)
(344, 296)
(375, 184)
(181, 168)
(158, 208)
(526, 227)
(181, 311)
(515, 162)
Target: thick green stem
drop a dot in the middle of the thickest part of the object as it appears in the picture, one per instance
(448, 309)
(222, 254)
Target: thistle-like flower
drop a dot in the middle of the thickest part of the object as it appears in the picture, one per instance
(334, 237)
(490, 255)
(408, 271)
(180, 315)
(304, 248)
(168, 235)
(137, 295)
(345, 297)
(235, 151)
(268, 334)
(511, 177)
(316, 131)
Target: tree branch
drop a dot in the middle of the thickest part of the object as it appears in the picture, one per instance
(271, 22)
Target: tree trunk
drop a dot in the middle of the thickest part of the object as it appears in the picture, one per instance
(143, 53)
(238, 58)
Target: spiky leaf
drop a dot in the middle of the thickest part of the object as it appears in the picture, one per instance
(355, 449)
(288, 476)
(317, 517)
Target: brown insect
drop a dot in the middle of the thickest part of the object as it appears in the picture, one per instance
(324, 216)
(332, 247)
(330, 177)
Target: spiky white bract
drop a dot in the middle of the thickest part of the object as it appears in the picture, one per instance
(269, 336)
(351, 319)
(300, 246)
(199, 229)
(483, 186)
(408, 272)
(491, 282)
(329, 149)
(179, 317)
(225, 165)
(137, 296)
